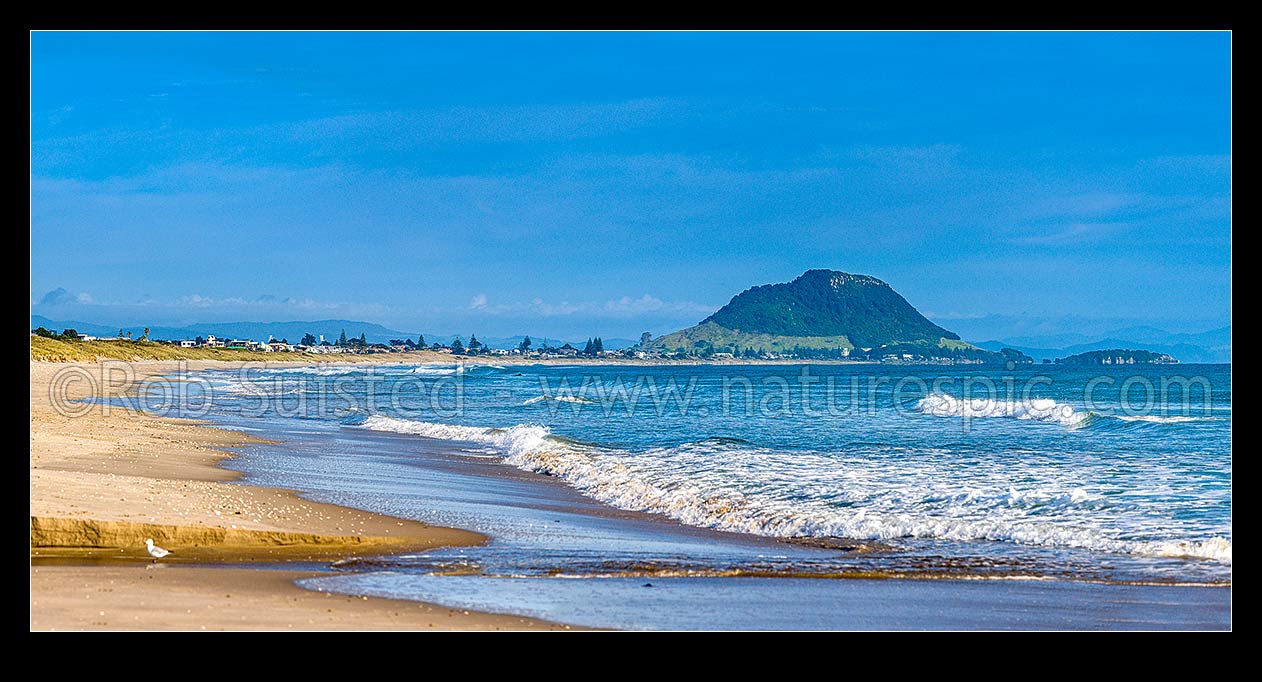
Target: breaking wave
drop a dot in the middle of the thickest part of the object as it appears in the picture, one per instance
(558, 398)
(1036, 409)
(732, 485)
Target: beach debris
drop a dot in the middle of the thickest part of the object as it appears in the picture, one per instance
(647, 585)
(155, 551)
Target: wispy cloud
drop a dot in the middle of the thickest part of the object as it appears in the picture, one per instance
(1074, 233)
(62, 302)
(516, 123)
(622, 307)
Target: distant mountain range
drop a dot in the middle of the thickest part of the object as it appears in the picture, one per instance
(330, 329)
(1209, 346)
(822, 312)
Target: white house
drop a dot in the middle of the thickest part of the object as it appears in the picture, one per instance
(188, 343)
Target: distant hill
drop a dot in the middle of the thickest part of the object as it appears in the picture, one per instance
(820, 312)
(864, 309)
(1117, 356)
(1213, 346)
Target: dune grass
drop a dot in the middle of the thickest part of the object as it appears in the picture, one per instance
(56, 350)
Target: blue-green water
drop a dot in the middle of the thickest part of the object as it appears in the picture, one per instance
(1110, 475)
(1130, 461)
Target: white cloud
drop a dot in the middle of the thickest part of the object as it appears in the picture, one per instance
(477, 302)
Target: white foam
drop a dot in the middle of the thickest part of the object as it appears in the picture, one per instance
(1037, 409)
(317, 370)
(508, 441)
(558, 398)
(1158, 419)
(754, 490)
(438, 370)
(1217, 548)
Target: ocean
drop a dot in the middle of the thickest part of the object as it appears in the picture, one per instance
(760, 482)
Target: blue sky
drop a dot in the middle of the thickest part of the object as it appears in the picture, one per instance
(581, 184)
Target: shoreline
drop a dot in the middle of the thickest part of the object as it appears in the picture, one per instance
(103, 481)
(176, 459)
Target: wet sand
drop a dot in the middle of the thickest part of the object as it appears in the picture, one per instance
(168, 597)
(103, 481)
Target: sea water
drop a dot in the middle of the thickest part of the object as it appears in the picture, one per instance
(1106, 474)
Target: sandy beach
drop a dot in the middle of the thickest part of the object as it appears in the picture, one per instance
(103, 481)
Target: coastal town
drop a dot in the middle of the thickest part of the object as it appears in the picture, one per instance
(318, 344)
(592, 349)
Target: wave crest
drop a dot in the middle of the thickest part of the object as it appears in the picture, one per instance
(692, 484)
(1037, 409)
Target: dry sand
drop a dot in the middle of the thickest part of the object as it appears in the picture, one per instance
(103, 481)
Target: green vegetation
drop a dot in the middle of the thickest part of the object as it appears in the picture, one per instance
(823, 303)
(65, 335)
(718, 339)
(46, 349)
(1117, 357)
(1014, 355)
(823, 314)
(594, 347)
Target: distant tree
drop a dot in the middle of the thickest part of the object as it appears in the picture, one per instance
(457, 347)
(308, 339)
(46, 333)
(524, 345)
(128, 335)
(645, 338)
(598, 346)
(146, 336)
(407, 343)
(589, 348)
(341, 340)
(420, 341)
(475, 346)
(199, 341)
(70, 335)
(120, 332)
(363, 339)
(285, 341)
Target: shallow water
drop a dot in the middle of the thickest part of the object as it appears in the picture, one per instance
(894, 478)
